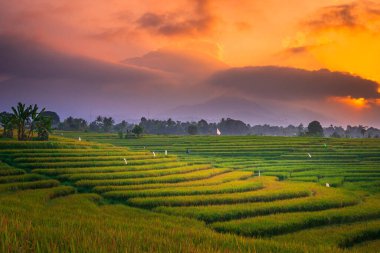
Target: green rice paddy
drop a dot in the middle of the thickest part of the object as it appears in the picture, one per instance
(209, 194)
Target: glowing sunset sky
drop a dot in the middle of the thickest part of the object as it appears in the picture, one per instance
(178, 54)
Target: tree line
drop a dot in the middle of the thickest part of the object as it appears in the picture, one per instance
(227, 126)
(28, 120)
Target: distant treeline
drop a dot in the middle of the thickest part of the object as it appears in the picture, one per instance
(227, 126)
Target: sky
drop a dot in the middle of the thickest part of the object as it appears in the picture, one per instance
(273, 61)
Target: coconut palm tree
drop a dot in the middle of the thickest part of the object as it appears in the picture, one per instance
(21, 115)
(35, 118)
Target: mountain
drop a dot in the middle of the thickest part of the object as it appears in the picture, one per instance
(250, 111)
(186, 63)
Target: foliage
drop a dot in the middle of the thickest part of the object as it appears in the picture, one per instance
(102, 124)
(55, 120)
(27, 120)
(315, 129)
(137, 130)
(7, 123)
(73, 124)
(192, 129)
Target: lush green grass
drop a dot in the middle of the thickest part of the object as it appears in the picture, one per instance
(323, 199)
(289, 222)
(229, 187)
(189, 197)
(333, 161)
(344, 235)
(31, 221)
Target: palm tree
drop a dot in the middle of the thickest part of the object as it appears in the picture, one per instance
(35, 117)
(21, 115)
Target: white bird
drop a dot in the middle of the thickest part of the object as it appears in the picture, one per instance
(125, 160)
(259, 174)
(327, 185)
(79, 139)
(309, 155)
(218, 131)
(154, 154)
(166, 152)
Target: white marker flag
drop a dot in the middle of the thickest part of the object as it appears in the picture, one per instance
(218, 131)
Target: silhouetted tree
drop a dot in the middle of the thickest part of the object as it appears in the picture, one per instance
(34, 118)
(137, 130)
(203, 127)
(43, 127)
(6, 122)
(97, 125)
(233, 127)
(73, 124)
(315, 129)
(121, 127)
(55, 120)
(362, 130)
(192, 129)
(107, 124)
(21, 115)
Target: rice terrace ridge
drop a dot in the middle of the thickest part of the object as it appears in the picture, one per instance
(190, 126)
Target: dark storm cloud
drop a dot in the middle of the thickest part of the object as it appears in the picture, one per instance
(292, 84)
(24, 58)
(179, 24)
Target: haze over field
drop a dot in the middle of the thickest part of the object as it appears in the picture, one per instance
(270, 61)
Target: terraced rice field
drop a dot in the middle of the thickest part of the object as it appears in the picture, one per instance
(351, 163)
(216, 189)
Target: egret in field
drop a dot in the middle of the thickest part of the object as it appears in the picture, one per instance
(166, 152)
(218, 132)
(259, 174)
(154, 154)
(125, 160)
(327, 185)
(79, 139)
(325, 145)
(309, 155)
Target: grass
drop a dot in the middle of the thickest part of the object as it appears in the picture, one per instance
(208, 173)
(285, 223)
(324, 199)
(181, 202)
(230, 187)
(75, 223)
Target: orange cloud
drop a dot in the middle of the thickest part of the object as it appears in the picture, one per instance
(342, 37)
(357, 103)
(197, 23)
